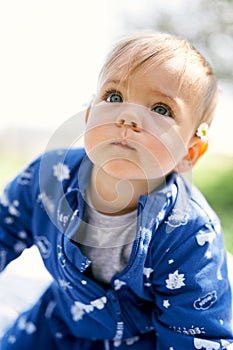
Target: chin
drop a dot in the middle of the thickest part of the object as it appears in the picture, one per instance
(124, 169)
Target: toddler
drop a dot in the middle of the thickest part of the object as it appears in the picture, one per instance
(135, 251)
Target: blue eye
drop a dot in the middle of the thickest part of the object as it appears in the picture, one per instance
(114, 97)
(162, 109)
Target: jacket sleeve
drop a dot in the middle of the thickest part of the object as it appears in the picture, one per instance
(16, 211)
(192, 292)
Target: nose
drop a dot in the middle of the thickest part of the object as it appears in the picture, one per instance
(132, 125)
(129, 119)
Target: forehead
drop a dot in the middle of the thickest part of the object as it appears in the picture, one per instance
(171, 73)
(146, 51)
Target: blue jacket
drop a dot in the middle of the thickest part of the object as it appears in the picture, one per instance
(173, 294)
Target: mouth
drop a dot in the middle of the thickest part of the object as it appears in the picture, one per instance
(123, 144)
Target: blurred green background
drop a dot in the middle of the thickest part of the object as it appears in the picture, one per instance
(212, 175)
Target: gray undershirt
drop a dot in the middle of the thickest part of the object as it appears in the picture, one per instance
(107, 242)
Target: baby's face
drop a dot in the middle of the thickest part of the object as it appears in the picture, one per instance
(141, 127)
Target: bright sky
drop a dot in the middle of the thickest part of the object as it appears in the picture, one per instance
(51, 51)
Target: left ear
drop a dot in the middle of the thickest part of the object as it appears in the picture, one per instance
(87, 113)
(196, 150)
(89, 108)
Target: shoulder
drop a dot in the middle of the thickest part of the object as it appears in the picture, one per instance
(191, 213)
(188, 209)
(179, 205)
(62, 166)
(72, 157)
(198, 207)
(60, 162)
(53, 167)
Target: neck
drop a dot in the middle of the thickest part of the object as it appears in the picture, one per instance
(114, 196)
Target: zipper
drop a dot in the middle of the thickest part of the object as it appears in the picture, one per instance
(122, 317)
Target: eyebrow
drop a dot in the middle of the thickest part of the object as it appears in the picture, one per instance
(164, 95)
(155, 91)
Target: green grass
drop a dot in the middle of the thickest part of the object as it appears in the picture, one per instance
(11, 164)
(213, 175)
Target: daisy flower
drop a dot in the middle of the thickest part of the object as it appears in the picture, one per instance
(203, 132)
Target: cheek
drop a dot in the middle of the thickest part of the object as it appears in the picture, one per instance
(96, 140)
(96, 136)
(161, 154)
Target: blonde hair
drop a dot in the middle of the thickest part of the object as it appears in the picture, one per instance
(133, 52)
